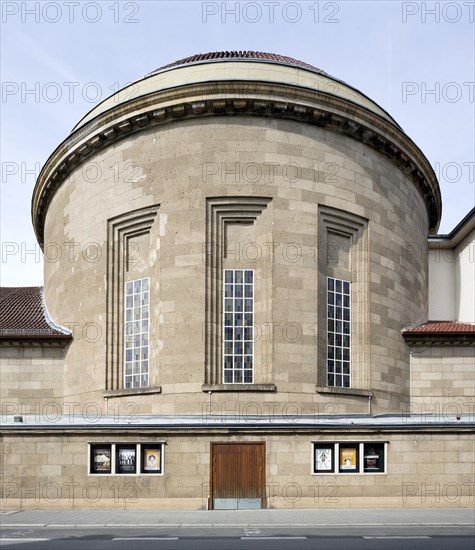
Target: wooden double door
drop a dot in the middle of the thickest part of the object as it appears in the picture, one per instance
(238, 476)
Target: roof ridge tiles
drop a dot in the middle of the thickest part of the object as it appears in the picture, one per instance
(238, 55)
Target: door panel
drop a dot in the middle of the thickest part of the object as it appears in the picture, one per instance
(238, 476)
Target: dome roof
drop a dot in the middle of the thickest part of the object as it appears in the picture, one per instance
(236, 83)
(236, 56)
(232, 66)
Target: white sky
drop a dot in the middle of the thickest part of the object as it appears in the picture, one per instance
(70, 55)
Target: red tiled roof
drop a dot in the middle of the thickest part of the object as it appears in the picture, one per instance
(233, 55)
(23, 315)
(441, 327)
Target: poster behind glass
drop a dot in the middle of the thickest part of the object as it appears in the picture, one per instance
(373, 458)
(324, 458)
(101, 459)
(126, 459)
(151, 459)
(348, 458)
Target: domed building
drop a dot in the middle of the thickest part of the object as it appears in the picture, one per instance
(243, 268)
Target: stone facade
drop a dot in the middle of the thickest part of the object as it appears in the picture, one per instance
(424, 470)
(239, 164)
(31, 379)
(442, 379)
(366, 185)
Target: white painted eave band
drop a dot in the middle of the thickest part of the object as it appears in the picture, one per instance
(236, 70)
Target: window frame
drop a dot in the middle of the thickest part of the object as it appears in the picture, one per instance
(336, 446)
(235, 328)
(139, 334)
(338, 335)
(139, 457)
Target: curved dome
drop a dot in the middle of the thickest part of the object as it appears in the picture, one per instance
(237, 66)
(236, 84)
(236, 55)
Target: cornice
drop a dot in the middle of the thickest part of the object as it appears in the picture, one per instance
(439, 339)
(235, 98)
(244, 428)
(33, 340)
(456, 236)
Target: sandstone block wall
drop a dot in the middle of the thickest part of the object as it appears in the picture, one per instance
(423, 470)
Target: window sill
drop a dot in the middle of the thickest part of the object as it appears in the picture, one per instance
(344, 391)
(131, 391)
(239, 387)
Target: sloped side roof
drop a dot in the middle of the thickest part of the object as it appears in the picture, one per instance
(441, 332)
(23, 315)
(442, 327)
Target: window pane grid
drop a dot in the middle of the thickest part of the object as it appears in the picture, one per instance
(238, 326)
(136, 337)
(338, 333)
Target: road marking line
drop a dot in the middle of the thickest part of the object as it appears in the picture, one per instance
(18, 541)
(273, 538)
(145, 538)
(401, 537)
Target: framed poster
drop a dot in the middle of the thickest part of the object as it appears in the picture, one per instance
(373, 457)
(324, 462)
(349, 457)
(101, 459)
(152, 459)
(126, 459)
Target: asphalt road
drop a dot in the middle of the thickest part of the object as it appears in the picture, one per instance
(226, 538)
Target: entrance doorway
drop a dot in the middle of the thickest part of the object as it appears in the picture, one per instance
(238, 476)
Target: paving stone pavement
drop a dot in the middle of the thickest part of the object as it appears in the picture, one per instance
(239, 518)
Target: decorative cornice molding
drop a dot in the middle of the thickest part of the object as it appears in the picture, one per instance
(239, 387)
(344, 391)
(110, 394)
(236, 98)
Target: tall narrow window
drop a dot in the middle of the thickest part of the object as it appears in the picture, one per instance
(238, 326)
(137, 325)
(338, 333)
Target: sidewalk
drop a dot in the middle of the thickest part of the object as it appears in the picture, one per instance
(239, 518)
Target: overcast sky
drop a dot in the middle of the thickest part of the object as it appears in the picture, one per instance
(59, 59)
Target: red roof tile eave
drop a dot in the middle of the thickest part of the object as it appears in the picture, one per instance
(24, 316)
(440, 332)
(439, 335)
(441, 328)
